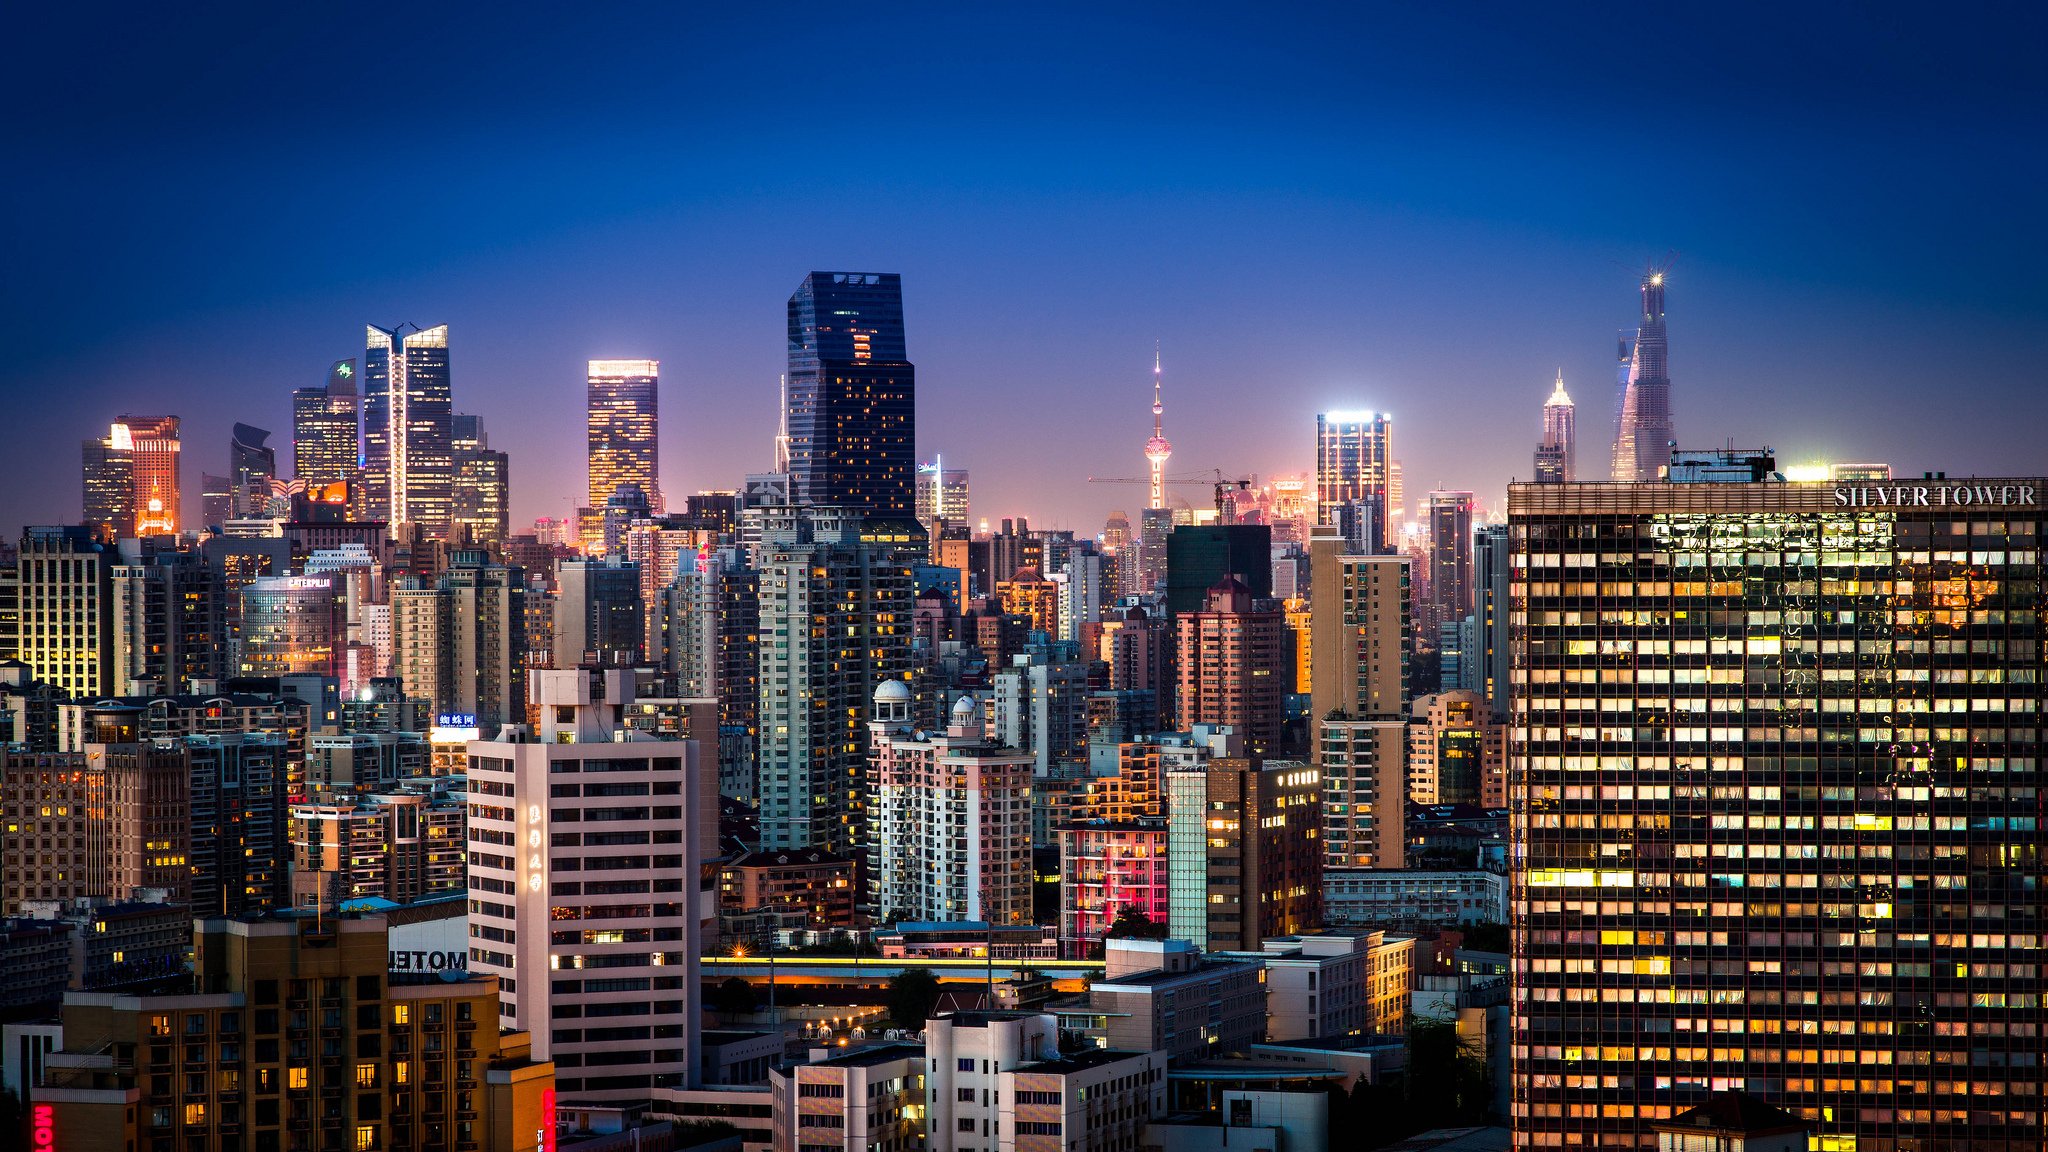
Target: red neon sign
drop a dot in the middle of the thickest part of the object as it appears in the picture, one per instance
(547, 1120)
(43, 1128)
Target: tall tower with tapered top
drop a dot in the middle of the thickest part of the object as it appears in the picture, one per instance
(1158, 450)
(1642, 440)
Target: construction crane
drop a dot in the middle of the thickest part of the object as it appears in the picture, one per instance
(1218, 483)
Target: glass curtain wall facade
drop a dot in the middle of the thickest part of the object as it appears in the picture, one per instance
(408, 461)
(1776, 790)
(852, 394)
(623, 417)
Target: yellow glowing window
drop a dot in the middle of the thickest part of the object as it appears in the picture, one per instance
(1867, 822)
(1617, 937)
(401, 1013)
(195, 1113)
(366, 1075)
(1653, 966)
(401, 1073)
(366, 1137)
(295, 1078)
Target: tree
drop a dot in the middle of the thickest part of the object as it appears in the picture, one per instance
(734, 997)
(1134, 924)
(912, 994)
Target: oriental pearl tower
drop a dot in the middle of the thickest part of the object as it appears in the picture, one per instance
(1157, 450)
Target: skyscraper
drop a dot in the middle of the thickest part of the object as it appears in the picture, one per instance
(836, 598)
(460, 640)
(153, 455)
(1450, 562)
(623, 420)
(852, 408)
(109, 473)
(326, 429)
(941, 493)
(600, 617)
(1556, 455)
(1354, 472)
(483, 484)
(252, 465)
(67, 598)
(290, 625)
(1643, 436)
(1776, 808)
(408, 462)
(1358, 699)
(1233, 666)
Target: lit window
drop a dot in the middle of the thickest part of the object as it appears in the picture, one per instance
(295, 1078)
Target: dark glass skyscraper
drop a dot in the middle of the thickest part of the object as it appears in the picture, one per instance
(852, 394)
(325, 428)
(1642, 441)
(408, 462)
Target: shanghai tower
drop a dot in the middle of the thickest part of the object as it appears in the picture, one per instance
(1642, 440)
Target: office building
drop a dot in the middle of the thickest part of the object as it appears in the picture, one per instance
(1165, 996)
(1774, 806)
(1149, 550)
(109, 485)
(941, 493)
(459, 641)
(998, 1081)
(595, 936)
(1198, 556)
(1244, 852)
(1556, 454)
(623, 408)
(326, 429)
(852, 408)
(949, 818)
(599, 616)
(1413, 899)
(290, 625)
(1643, 435)
(252, 465)
(294, 1035)
(1457, 754)
(835, 621)
(1492, 575)
(154, 454)
(1355, 469)
(408, 461)
(482, 509)
(1449, 599)
(67, 599)
(1083, 590)
(1358, 698)
(1233, 666)
(1027, 593)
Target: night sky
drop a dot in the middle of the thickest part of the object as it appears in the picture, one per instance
(1407, 210)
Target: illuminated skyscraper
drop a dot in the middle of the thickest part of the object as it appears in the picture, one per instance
(153, 450)
(1776, 807)
(852, 407)
(326, 428)
(1358, 699)
(408, 465)
(941, 493)
(1354, 473)
(1449, 599)
(110, 484)
(483, 484)
(1642, 439)
(1233, 665)
(623, 407)
(1556, 455)
(67, 601)
(1158, 450)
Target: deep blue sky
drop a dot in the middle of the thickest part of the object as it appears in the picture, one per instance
(1426, 210)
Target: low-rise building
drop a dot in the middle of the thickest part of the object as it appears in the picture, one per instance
(870, 1099)
(998, 1081)
(1397, 898)
(1164, 995)
(814, 886)
(1337, 984)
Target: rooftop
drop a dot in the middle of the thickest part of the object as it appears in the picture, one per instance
(1735, 1114)
(1079, 1061)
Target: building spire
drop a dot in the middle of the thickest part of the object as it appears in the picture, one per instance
(1157, 449)
(782, 430)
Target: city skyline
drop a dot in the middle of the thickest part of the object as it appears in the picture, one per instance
(1363, 287)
